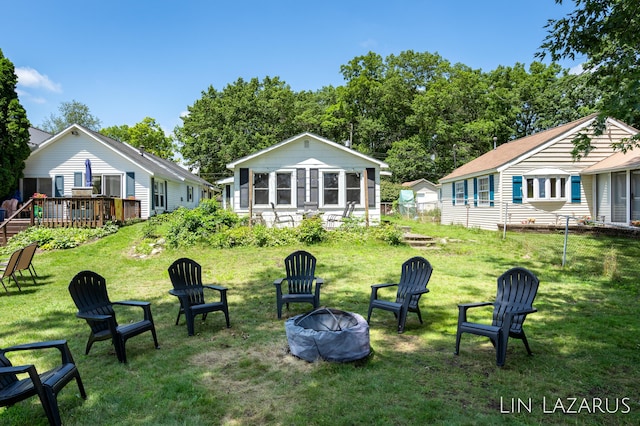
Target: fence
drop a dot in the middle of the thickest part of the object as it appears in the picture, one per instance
(590, 246)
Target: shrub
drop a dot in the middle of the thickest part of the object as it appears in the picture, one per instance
(311, 231)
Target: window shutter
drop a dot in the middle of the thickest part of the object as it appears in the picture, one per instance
(475, 192)
(244, 188)
(59, 186)
(130, 189)
(153, 194)
(517, 189)
(453, 193)
(575, 189)
(491, 190)
(371, 186)
(313, 186)
(301, 186)
(466, 192)
(77, 179)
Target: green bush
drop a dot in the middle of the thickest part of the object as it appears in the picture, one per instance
(311, 231)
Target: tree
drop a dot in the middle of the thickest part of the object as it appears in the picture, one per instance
(147, 134)
(245, 117)
(14, 130)
(607, 32)
(73, 112)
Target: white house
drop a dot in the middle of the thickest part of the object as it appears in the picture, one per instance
(536, 179)
(301, 174)
(58, 164)
(426, 194)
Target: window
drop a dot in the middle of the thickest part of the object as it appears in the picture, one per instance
(112, 186)
(484, 198)
(40, 185)
(353, 188)
(158, 193)
(540, 188)
(459, 192)
(330, 188)
(189, 193)
(261, 188)
(283, 188)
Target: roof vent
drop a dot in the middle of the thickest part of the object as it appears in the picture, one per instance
(141, 149)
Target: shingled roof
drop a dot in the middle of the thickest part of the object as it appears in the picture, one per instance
(510, 151)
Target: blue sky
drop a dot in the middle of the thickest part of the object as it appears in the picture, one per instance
(130, 59)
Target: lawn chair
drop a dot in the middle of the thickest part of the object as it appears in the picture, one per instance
(517, 288)
(9, 269)
(186, 277)
(414, 278)
(46, 385)
(333, 220)
(25, 262)
(279, 219)
(300, 267)
(89, 292)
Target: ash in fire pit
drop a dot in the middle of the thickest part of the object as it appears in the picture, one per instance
(330, 334)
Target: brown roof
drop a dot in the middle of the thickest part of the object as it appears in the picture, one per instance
(511, 150)
(617, 161)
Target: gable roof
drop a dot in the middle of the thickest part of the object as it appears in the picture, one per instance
(37, 136)
(510, 151)
(349, 151)
(419, 181)
(151, 163)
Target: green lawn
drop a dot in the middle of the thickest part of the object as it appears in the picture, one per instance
(584, 338)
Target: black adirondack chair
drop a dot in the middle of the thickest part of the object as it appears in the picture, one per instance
(89, 292)
(517, 288)
(300, 268)
(414, 278)
(9, 269)
(46, 385)
(186, 277)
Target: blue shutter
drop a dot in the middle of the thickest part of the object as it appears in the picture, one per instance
(575, 189)
(453, 193)
(517, 189)
(59, 186)
(130, 190)
(491, 190)
(466, 192)
(475, 192)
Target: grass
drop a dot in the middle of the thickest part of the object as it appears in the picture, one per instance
(584, 338)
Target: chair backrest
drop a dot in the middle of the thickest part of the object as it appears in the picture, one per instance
(6, 380)
(301, 269)
(517, 288)
(12, 263)
(27, 256)
(416, 273)
(350, 207)
(187, 274)
(89, 292)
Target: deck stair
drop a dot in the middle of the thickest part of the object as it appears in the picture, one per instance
(12, 228)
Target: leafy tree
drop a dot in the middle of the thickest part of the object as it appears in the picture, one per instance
(241, 119)
(607, 32)
(147, 134)
(73, 112)
(14, 130)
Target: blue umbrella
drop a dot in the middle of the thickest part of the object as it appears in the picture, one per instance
(88, 180)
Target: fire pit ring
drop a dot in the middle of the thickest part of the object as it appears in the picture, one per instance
(329, 334)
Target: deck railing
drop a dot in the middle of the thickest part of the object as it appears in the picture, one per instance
(88, 212)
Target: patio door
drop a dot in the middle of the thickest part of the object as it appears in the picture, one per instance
(635, 195)
(619, 197)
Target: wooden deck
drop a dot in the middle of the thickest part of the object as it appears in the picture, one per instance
(68, 212)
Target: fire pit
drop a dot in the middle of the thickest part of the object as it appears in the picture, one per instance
(328, 334)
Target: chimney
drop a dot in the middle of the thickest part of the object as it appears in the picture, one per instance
(495, 140)
(142, 150)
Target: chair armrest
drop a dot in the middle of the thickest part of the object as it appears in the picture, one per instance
(376, 287)
(18, 369)
(215, 287)
(319, 281)
(132, 303)
(61, 345)
(94, 317)
(463, 307)
(383, 285)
